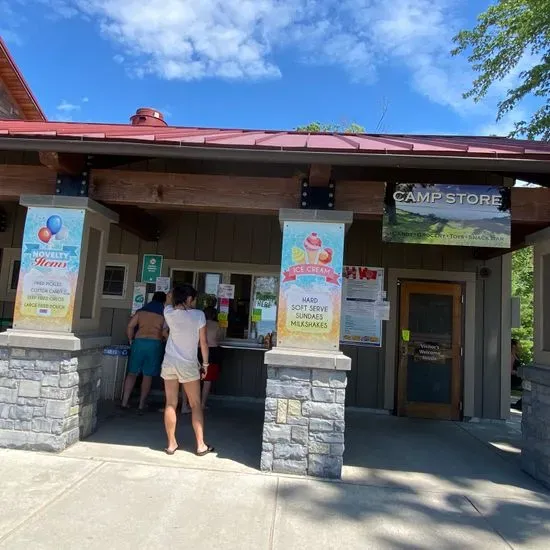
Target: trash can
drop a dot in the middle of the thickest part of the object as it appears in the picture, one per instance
(113, 372)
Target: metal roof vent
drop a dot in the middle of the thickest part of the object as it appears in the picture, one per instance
(147, 117)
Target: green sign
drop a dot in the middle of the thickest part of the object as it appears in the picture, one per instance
(256, 315)
(152, 268)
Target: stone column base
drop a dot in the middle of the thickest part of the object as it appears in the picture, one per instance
(535, 424)
(48, 398)
(304, 426)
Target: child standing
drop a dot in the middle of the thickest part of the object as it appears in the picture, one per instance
(212, 335)
(214, 353)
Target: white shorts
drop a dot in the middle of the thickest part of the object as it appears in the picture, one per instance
(182, 371)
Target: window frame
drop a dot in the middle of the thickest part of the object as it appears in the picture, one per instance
(122, 296)
(9, 257)
(130, 263)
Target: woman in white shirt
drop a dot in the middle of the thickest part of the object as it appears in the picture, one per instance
(187, 328)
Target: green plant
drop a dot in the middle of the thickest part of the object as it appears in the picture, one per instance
(523, 287)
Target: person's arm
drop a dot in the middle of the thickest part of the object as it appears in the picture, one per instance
(130, 331)
(168, 310)
(203, 341)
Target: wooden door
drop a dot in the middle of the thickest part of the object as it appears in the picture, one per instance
(430, 350)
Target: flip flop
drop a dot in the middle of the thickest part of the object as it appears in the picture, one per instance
(209, 449)
(171, 452)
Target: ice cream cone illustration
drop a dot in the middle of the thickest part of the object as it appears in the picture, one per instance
(312, 245)
(298, 255)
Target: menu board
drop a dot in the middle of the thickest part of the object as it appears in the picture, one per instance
(362, 291)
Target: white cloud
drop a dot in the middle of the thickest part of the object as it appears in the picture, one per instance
(66, 107)
(236, 39)
(66, 110)
(244, 39)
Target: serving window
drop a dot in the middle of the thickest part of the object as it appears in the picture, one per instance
(253, 310)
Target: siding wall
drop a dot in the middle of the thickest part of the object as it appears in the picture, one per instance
(253, 239)
(11, 238)
(8, 108)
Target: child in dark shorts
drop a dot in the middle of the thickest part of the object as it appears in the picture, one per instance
(212, 333)
(215, 356)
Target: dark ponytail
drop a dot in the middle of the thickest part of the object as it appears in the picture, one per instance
(182, 293)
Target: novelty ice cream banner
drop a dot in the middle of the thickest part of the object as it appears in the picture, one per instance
(50, 261)
(311, 285)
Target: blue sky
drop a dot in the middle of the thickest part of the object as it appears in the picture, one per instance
(253, 63)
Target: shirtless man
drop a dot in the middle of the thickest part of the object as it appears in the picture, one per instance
(145, 334)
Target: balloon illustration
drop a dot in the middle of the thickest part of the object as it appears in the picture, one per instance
(54, 224)
(45, 235)
(62, 234)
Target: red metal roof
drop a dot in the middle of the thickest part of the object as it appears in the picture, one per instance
(473, 146)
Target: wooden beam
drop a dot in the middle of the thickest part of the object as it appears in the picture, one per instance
(364, 198)
(194, 191)
(138, 222)
(63, 163)
(319, 175)
(531, 205)
(19, 179)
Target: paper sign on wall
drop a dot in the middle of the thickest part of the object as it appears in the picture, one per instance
(138, 297)
(226, 291)
(163, 284)
(256, 315)
(363, 288)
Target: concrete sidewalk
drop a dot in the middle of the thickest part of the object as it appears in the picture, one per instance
(106, 495)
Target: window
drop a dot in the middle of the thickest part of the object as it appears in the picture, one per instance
(14, 277)
(264, 306)
(114, 282)
(252, 312)
(182, 277)
(207, 288)
(239, 307)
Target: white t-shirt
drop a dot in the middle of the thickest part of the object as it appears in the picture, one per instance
(183, 340)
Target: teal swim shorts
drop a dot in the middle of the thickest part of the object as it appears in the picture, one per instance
(146, 357)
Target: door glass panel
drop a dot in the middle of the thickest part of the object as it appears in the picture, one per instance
(239, 307)
(264, 310)
(207, 288)
(182, 277)
(430, 350)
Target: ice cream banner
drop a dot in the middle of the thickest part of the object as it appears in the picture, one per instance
(50, 261)
(311, 285)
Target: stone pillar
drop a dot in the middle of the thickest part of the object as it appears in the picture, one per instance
(50, 362)
(535, 454)
(304, 426)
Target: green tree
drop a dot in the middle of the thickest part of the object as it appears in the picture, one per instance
(316, 127)
(504, 35)
(523, 287)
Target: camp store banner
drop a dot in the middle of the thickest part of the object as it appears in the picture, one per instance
(310, 292)
(50, 262)
(459, 215)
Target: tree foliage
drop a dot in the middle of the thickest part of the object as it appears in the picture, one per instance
(506, 34)
(331, 128)
(523, 287)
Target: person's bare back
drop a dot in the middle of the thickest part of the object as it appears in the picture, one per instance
(150, 325)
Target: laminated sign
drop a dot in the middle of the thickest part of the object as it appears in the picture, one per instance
(50, 264)
(458, 215)
(311, 285)
(152, 268)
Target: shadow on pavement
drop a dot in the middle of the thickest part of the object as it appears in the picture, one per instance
(236, 433)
